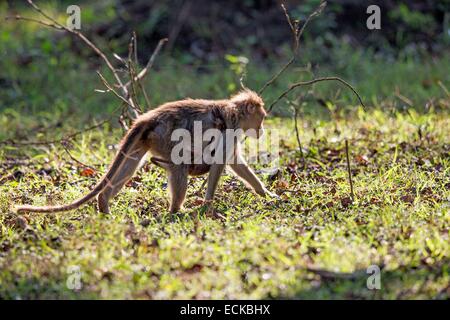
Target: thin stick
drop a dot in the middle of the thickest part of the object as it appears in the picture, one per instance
(150, 62)
(443, 88)
(47, 24)
(199, 191)
(143, 72)
(135, 48)
(349, 170)
(76, 160)
(297, 134)
(326, 274)
(134, 96)
(136, 63)
(304, 83)
(110, 88)
(147, 100)
(131, 72)
(55, 24)
(297, 33)
(83, 38)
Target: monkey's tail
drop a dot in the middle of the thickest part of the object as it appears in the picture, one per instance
(129, 142)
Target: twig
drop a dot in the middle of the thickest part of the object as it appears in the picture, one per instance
(138, 78)
(444, 88)
(122, 120)
(135, 47)
(304, 83)
(326, 274)
(402, 97)
(84, 39)
(150, 62)
(132, 67)
(55, 24)
(146, 98)
(297, 134)
(47, 24)
(134, 95)
(242, 78)
(297, 33)
(76, 160)
(134, 64)
(349, 170)
(128, 99)
(131, 72)
(63, 141)
(199, 191)
(111, 89)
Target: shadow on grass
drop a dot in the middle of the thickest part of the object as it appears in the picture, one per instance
(425, 281)
(49, 288)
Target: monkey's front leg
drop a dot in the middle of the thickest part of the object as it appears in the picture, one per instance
(246, 174)
(241, 168)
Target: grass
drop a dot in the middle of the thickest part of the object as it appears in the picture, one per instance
(313, 243)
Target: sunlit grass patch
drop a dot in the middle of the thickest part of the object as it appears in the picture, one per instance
(314, 243)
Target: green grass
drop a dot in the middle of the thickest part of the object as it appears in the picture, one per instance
(314, 243)
(262, 249)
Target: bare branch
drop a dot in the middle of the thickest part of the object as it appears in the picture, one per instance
(147, 100)
(135, 48)
(100, 53)
(242, 78)
(349, 170)
(122, 120)
(150, 62)
(304, 83)
(111, 89)
(131, 99)
(75, 159)
(443, 88)
(297, 134)
(297, 33)
(131, 72)
(47, 24)
(137, 78)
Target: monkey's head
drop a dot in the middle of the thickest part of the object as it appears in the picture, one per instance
(251, 112)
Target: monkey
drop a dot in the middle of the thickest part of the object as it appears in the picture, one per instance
(152, 133)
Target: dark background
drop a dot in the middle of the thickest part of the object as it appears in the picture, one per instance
(206, 29)
(209, 39)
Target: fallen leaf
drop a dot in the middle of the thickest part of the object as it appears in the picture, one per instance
(407, 198)
(346, 201)
(329, 204)
(198, 201)
(282, 184)
(88, 172)
(374, 200)
(362, 160)
(195, 268)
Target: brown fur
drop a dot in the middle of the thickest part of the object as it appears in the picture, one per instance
(152, 132)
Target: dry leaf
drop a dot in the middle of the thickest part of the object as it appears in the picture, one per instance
(282, 184)
(362, 160)
(88, 172)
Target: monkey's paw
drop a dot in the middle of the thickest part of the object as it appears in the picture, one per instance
(272, 195)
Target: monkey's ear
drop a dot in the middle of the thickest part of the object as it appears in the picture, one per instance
(251, 108)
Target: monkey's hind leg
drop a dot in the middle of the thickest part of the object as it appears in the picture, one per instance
(178, 180)
(126, 171)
